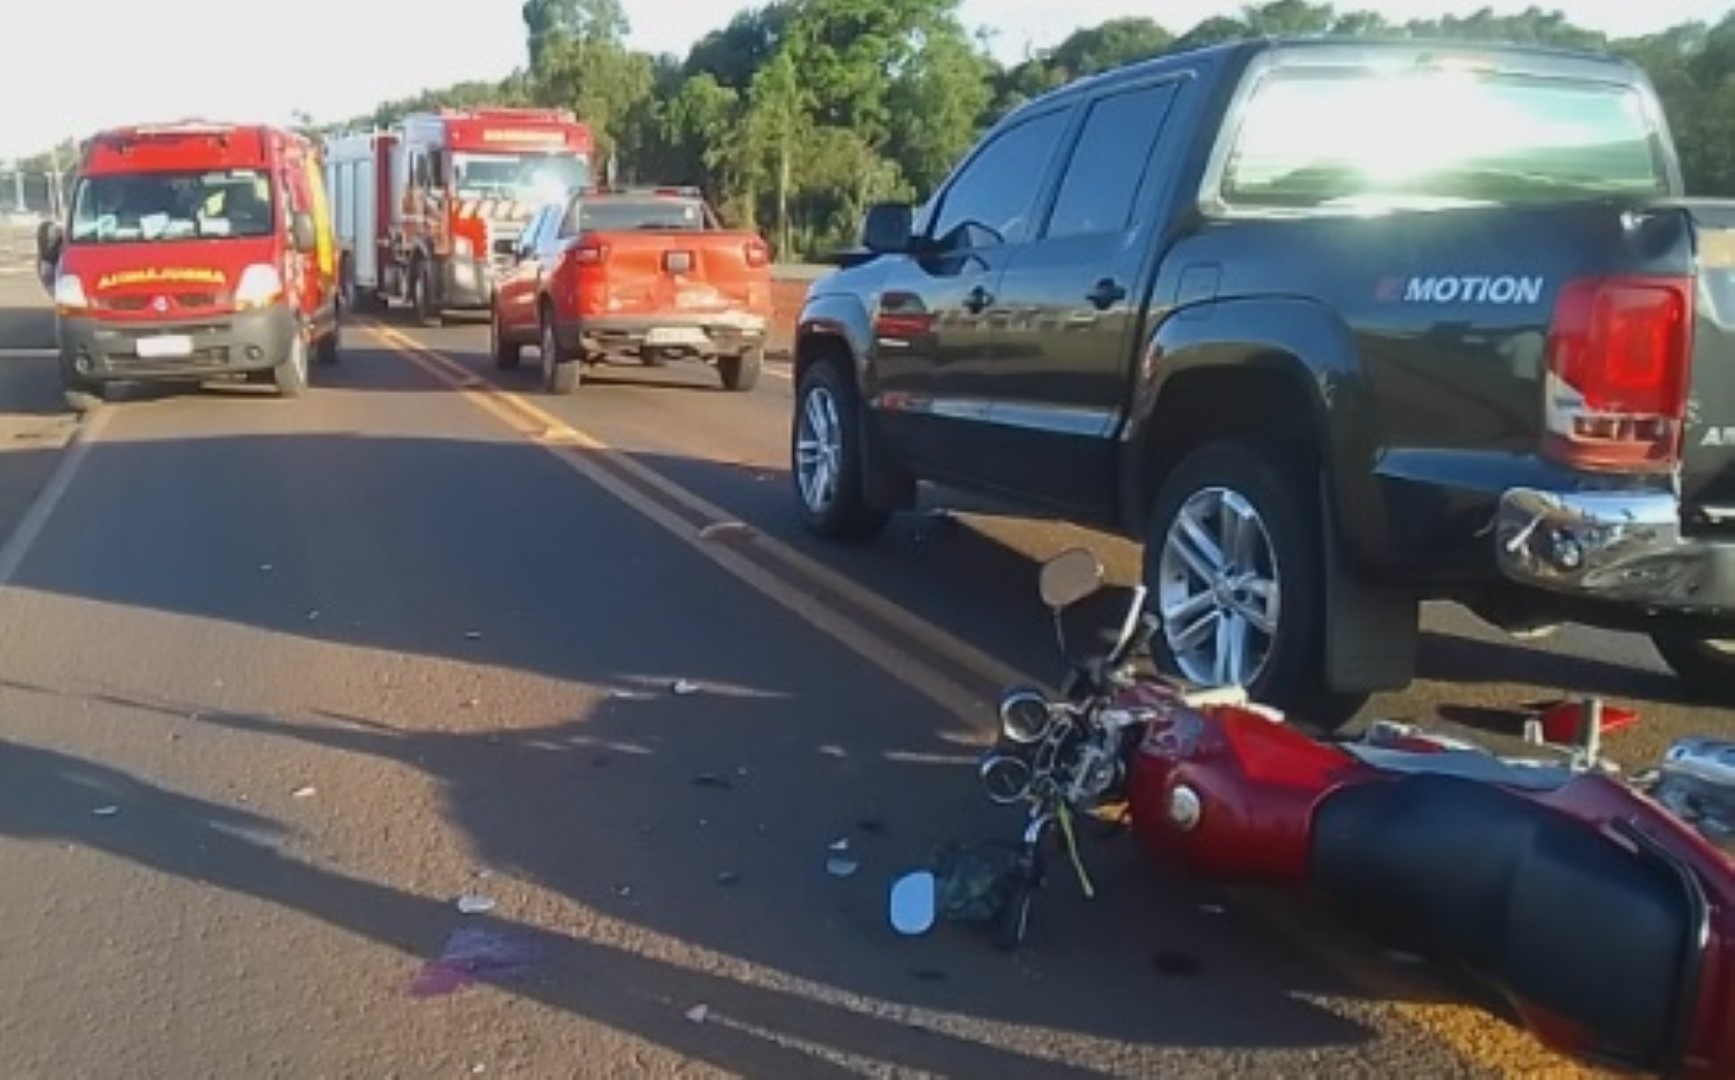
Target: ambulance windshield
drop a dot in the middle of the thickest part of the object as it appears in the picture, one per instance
(535, 178)
(131, 208)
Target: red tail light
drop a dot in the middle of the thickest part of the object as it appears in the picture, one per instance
(1619, 354)
(590, 253)
(757, 253)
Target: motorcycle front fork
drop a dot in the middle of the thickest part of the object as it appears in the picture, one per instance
(1013, 925)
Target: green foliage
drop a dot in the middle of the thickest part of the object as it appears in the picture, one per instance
(798, 113)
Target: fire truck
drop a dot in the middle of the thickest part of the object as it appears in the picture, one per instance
(427, 211)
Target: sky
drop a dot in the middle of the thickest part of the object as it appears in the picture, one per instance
(104, 62)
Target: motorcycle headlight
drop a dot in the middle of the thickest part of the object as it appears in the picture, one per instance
(1025, 716)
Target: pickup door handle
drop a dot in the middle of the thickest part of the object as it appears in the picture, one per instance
(977, 300)
(1106, 294)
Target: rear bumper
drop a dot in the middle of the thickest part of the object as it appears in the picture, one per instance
(707, 334)
(100, 350)
(1625, 548)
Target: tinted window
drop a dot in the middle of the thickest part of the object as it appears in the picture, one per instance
(1100, 189)
(991, 200)
(130, 208)
(617, 213)
(1354, 136)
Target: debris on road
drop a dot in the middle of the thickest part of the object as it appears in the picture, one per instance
(472, 635)
(475, 903)
(698, 1013)
(265, 568)
(305, 791)
(684, 687)
(472, 954)
(712, 780)
(1213, 909)
(728, 877)
(727, 531)
(841, 864)
(106, 811)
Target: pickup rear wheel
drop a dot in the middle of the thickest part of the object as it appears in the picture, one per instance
(1706, 665)
(826, 456)
(506, 353)
(1232, 562)
(741, 371)
(560, 373)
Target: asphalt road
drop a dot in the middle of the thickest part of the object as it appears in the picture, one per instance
(280, 681)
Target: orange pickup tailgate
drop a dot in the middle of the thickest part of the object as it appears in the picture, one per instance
(675, 271)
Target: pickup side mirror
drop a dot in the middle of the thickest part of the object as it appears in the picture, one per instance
(301, 231)
(49, 237)
(887, 229)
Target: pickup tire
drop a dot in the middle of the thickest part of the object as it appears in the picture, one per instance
(740, 373)
(507, 353)
(1705, 665)
(825, 455)
(561, 373)
(1250, 612)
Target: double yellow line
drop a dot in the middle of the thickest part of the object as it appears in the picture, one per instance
(811, 590)
(821, 597)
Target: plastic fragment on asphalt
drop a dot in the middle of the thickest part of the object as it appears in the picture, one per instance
(265, 568)
(106, 811)
(840, 845)
(683, 687)
(305, 791)
(728, 877)
(313, 614)
(473, 954)
(698, 1013)
(475, 903)
(472, 635)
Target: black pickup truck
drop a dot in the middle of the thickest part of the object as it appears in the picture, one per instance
(1332, 327)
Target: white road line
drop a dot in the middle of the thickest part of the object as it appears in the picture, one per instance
(27, 354)
(35, 519)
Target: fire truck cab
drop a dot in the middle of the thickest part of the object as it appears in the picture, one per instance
(427, 211)
(193, 251)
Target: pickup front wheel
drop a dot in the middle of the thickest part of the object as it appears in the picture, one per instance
(826, 456)
(1232, 562)
(1706, 665)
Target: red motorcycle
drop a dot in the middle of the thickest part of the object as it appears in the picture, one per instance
(1602, 908)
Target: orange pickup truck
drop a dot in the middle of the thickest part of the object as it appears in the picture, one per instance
(638, 276)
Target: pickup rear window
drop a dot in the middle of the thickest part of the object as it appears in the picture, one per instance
(617, 214)
(131, 208)
(1347, 137)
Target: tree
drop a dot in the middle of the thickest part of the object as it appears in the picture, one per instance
(1108, 45)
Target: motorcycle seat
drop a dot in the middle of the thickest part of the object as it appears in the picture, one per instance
(1547, 909)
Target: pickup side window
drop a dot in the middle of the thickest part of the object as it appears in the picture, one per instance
(991, 200)
(1099, 192)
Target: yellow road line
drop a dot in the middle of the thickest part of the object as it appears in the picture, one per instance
(1484, 1041)
(969, 708)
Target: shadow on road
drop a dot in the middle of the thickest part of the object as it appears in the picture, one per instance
(417, 547)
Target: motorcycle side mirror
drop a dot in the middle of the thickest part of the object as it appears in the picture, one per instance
(914, 902)
(1070, 577)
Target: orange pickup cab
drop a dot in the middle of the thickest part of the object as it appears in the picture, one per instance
(636, 276)
(193, 252)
